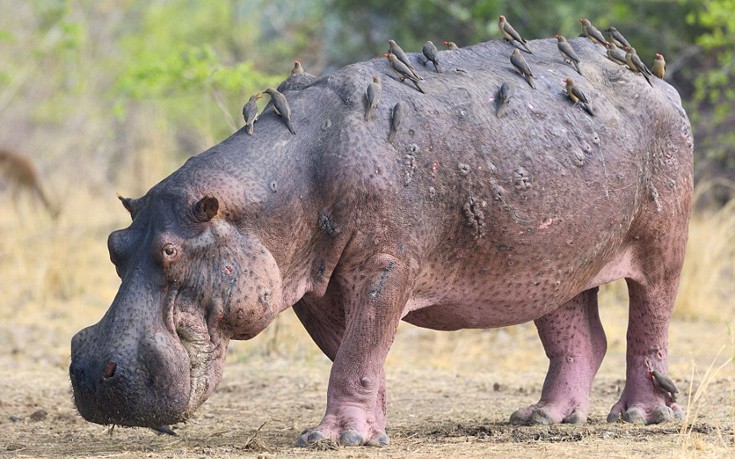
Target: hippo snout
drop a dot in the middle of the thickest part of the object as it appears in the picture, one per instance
(134, 383)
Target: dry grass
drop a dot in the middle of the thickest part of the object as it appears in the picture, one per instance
(706, 290)
(57, 279)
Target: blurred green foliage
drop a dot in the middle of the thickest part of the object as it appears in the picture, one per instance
(187, 66)
(714, 88)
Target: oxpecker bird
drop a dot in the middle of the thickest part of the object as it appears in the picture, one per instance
(399, 112)
(510, 35)
(372, 94)
(431, 54)
(615, 54)
(567, 52)
(503, 99)
(297, 68)
(577, 96)
(250, 113)
(663, 383)
(659, 66)
(393, 48)
(591, 31)
(280, 105)
(402, 71)
(450, 45)
(616, 37)
(520, 64)
(636, 64)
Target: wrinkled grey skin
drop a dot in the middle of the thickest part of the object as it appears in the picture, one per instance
(465, 221)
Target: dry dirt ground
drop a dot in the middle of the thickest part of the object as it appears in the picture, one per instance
(450, 395)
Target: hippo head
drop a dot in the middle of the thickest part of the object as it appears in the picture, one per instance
(193, 278)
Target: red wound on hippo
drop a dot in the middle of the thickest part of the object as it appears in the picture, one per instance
(206, 209)
(109, 370)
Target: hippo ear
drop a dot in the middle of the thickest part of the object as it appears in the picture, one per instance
(128, 203)
(206, 209)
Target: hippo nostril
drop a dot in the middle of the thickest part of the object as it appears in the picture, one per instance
(109, 370)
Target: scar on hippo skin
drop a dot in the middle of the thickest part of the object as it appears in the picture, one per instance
(474, 216)
(410, 162)
(325, 223)
(578, 159)
(654, 197)
(522, 179)
(464, 169)
(377, 288)
(264, 297)
(499, 195)
(321, 270)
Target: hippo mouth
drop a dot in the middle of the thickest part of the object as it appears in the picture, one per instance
(205, 366)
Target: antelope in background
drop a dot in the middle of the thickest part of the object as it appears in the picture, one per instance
(19, 175)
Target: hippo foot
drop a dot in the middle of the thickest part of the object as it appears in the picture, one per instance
(345, 438)
(645, 414)
(549, 413)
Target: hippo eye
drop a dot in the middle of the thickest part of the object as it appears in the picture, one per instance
(169, 250)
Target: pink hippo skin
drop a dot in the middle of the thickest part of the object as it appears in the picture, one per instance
(465, 220)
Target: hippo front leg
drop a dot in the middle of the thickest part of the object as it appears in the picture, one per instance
(575, 344)
(373, 295)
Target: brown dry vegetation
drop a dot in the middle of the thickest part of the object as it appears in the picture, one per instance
(450, 394)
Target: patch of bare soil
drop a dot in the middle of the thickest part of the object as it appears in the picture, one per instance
(262, 405)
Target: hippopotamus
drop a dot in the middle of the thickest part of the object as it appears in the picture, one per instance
(465, 220)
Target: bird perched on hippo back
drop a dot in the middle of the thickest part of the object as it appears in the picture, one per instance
(372, 94)
(297, 79)
(452, 46)
(659, 66)
(577, 96)
(396, 50)
(510, 35)
(503, 98)
(636, 64)
(615, 54)
(520, 64)
(297, 68)
(399, 113)
(567, 52)
(591, 31)
(280, 106)
(402, 71)
(616, 37)
(431, 54)
(250, 113)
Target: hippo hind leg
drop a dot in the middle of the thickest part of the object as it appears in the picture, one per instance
(575, 344)
(651, 305)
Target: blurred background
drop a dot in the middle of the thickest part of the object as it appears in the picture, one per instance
(125, 90)
(106, 96)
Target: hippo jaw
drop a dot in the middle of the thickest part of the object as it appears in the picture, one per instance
(206, 364)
